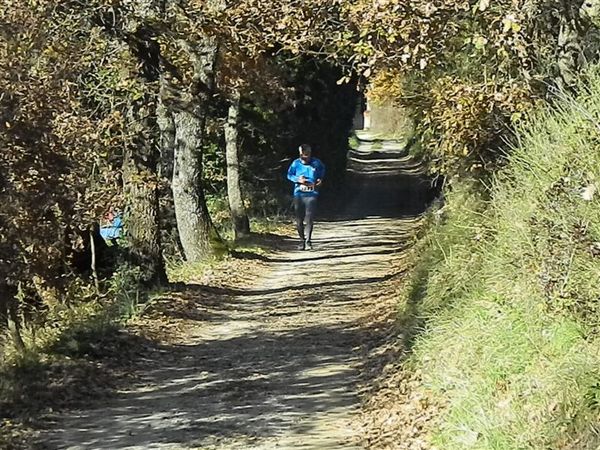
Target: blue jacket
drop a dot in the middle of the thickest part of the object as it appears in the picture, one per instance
(313, 171)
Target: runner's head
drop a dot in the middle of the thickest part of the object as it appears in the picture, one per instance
(305, 152)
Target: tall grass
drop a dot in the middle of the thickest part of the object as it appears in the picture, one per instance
(506, 295)
(80, 319)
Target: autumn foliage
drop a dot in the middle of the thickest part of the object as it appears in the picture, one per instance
(97, 93)
(469, 70)
(59, 131)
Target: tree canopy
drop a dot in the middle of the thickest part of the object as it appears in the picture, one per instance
(123, 102)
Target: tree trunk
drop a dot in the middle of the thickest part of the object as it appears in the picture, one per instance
(141, 192)
(239, 217)
(141, 158)
(166, 124)
(196, 230)
(10, 313)
(197, 233)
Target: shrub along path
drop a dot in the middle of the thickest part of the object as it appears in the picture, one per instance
(275, 364)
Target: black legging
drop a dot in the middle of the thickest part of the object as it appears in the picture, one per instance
(305, 207)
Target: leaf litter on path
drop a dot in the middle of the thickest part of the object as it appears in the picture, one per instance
(269, 359)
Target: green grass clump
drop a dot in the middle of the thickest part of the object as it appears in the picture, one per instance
(353, 142)
(74, 324)
(504, 301)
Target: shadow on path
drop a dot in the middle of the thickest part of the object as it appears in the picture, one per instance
(247, 386)
(276, 365)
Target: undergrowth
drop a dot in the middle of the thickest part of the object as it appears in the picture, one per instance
(502, 307)
(57, 361)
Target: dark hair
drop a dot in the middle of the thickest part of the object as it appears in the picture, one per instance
(305, 148)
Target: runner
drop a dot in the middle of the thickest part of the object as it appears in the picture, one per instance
(307, 175)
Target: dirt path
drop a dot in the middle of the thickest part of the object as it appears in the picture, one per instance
(279, 367)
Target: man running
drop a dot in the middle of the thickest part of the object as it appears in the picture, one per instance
(307, 174)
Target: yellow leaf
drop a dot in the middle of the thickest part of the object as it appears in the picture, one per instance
(515, 117)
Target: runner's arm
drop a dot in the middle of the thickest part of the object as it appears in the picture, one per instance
(320, 175)
(292, 173)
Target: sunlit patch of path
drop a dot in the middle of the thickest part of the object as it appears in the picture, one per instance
(279, 370)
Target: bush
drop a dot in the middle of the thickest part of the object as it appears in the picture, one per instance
(507, 292)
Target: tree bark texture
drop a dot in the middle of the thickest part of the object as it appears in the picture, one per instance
(141, 192)
(197, 233)
(239, 217)
(166, 124)
(196, 230)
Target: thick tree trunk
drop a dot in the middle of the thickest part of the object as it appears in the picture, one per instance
(197, 233)
(143, 234)
(141, 192)
(141, 158)
(239, 217)
(166, 124)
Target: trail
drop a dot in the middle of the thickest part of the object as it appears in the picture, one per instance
(279, 367)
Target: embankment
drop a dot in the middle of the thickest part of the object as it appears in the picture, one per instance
(499, 320)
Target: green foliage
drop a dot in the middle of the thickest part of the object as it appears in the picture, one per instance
(80, 318)
(469, 70)
(126, 291)
(506, 293)
(353, 142)
(189, 272)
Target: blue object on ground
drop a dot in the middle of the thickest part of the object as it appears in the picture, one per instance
(114, 230)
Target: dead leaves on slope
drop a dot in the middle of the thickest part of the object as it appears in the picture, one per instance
(398, 411)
